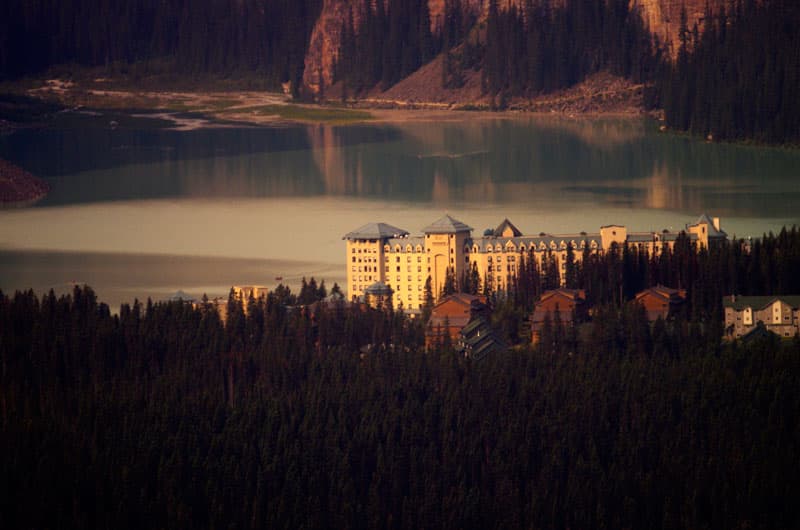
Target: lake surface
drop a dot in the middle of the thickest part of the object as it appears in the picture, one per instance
(145, 212)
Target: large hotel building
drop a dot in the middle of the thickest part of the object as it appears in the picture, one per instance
(380, 255)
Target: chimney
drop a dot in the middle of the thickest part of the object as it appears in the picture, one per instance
(716, 224)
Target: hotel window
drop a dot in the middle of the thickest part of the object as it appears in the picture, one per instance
(499, 268)
(408, 259)
(409, 279)
(409, 298)
(419, 268)
(452, 261)
(387, 268)
(419, 287)
(408, 269)
(398, 279)
(354, 268)
(419, 259)
(408, 288)
(398, 259)
(354, 259)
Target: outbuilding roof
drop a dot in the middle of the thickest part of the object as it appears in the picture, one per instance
(759, 302)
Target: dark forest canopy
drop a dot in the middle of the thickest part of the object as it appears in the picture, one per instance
(164, 416)
(223, 37)
(734, 77)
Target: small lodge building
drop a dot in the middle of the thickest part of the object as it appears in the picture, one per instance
(660, 301)
(778, 314)
(570, 304)
(478, 339)
(450, 316)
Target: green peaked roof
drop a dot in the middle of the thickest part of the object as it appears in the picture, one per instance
(446, 225)
(375, 231)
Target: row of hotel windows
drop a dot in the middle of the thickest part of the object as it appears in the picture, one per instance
(364, 269)
(542, 246)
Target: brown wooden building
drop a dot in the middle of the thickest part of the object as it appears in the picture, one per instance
(660, 301)
(569, 303)
(451, 315)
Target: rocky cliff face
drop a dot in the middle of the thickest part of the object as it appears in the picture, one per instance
(661, 16)
(326, 37)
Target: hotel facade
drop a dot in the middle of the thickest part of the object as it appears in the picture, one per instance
(379, 252)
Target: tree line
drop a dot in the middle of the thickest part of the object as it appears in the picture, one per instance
(732, 77)
(735, 76)
(252, 38)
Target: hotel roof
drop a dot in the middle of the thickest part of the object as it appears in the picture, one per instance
(712, 230)
(376, 231)
(446, 225)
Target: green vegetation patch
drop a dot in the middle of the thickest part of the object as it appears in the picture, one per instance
(305, 113)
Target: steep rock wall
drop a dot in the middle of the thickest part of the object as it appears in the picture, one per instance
(326, 36)
(661, 16)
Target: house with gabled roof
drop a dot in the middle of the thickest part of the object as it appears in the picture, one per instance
(569, 304)
(451, 315)
(661, 301)
(478, 339)
(779, 314)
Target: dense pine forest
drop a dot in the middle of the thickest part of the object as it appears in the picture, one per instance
(164, 416)
(732, 78)
(250, 38)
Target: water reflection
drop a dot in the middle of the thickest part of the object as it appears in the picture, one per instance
(470, 162)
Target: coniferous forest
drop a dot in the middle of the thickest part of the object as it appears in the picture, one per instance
(220, 37)
(304, 411)
(733, 76)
